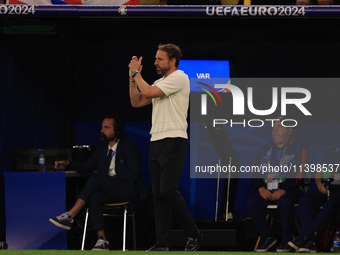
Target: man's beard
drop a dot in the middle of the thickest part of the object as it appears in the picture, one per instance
(104, 138)
(163, 70)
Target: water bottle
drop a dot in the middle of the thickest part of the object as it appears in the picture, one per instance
(336, 242)
(42, 165)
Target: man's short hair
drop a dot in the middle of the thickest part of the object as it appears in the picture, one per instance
(172, 50)
(118, 124)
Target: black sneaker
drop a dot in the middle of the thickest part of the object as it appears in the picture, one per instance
(194, 243)
(298, 242)
(62, 221)
(308, 247)
(266, 244)
(101, 245)
(158, 248)
(283, 247)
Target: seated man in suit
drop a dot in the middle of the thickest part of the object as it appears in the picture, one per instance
(119, 178)
(280, 188)
(315, 199)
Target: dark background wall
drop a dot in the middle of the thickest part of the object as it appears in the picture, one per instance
(58, 85)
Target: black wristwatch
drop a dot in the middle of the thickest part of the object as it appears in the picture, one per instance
(133, 73)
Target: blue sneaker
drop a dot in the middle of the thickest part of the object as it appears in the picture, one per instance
(101, 245)
(309, 247)
(62, 221)
(266, 244)
(298, 242)
(283, 247)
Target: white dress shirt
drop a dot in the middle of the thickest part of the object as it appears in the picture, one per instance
(112, 171)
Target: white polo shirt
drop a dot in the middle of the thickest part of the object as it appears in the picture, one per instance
(169, 113)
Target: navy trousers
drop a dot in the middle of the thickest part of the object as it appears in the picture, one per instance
(166, 159)
(315, 199)
(101, 190)
(257, 208)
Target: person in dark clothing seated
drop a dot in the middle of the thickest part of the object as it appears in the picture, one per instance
(277, 188)
(315, 199)
(119, 178)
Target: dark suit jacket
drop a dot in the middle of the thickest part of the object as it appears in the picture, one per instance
(128, 163)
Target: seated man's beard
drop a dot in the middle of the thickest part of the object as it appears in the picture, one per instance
(105, 138)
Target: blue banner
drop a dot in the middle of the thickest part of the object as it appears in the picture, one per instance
(210, 11)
